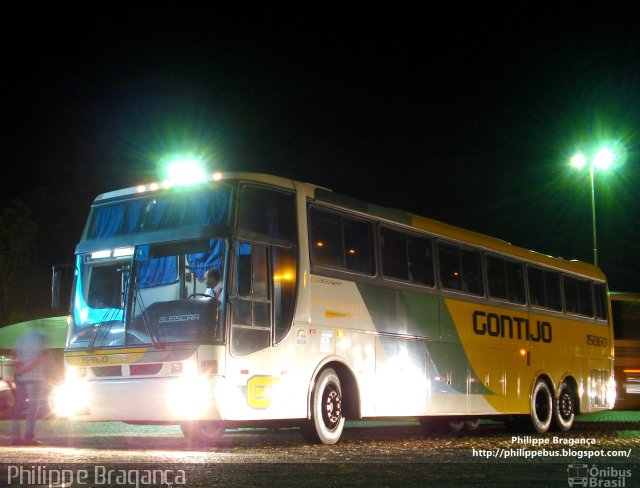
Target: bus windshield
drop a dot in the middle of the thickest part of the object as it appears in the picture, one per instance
(154, 294)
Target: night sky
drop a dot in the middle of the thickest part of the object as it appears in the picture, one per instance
(468, 117)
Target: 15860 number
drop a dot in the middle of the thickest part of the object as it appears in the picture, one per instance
(593, 340)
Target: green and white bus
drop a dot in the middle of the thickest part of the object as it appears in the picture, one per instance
(331, 308)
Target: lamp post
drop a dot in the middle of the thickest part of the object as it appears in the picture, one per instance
(602, 160)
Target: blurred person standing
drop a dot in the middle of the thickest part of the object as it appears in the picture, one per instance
(30, 374)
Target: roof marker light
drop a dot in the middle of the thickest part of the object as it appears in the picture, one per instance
(101, 254)
(122, 251)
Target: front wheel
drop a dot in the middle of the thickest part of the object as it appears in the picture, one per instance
(327, 421)
(202, 432)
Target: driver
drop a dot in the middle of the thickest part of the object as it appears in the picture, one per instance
(214, 285)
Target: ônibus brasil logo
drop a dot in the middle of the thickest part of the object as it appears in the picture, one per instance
(594, 476)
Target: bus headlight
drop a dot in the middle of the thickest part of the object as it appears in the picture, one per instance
(70, 398)
(189, 397)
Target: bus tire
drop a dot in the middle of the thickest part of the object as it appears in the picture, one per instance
(327, 420)
(471, 425)
(202, 432)
(564, 408)
(456, 424)
(541, 407)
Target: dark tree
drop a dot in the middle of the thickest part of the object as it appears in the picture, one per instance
(18, 233)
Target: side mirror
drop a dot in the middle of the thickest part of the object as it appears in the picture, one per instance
(60, 278)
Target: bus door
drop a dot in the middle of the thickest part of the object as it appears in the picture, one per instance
(262, 302)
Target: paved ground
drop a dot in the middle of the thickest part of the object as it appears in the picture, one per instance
(370, 454)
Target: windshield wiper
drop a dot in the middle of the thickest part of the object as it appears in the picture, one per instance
(99, 327)
(145, 319)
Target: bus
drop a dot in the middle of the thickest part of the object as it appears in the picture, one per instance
(626, 330)
(332, 309)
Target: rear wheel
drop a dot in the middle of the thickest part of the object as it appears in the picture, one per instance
(202, 432)
(564, 408)
(327, 420)
(541, 407)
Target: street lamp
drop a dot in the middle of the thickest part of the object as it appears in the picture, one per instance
(601, 160)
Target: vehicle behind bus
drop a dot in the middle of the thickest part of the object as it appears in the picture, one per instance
(625, 308)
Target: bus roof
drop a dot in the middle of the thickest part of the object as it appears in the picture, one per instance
(391, 215)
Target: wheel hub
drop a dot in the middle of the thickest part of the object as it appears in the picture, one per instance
(566, 405)
(332, 409)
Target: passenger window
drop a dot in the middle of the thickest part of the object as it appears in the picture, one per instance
(505, 279)
(326, 238)
(460, 269)
(406, 257)
(544, 288)
(578, 298)
(358, 255)
(268, 212)
(393, 253)
(515, 282)
(496, 278)
(450, 272)
(342, 242)
(420, 252)
(600, 296)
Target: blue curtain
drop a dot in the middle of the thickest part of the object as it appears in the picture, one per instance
(201, 262)
(115, 220)
(170, 211)
(157, 272)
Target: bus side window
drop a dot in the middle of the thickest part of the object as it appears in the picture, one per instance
(266, 211)
(544, 288)
(578, 296)
(600, 295)
(496, 278)
(251, 310)
(406, 257)
(460, 269)
(393, 254)
(358, 248)
(449, 267)
(420, 253)
(325, 236)
(340, 242)
(515, 282)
